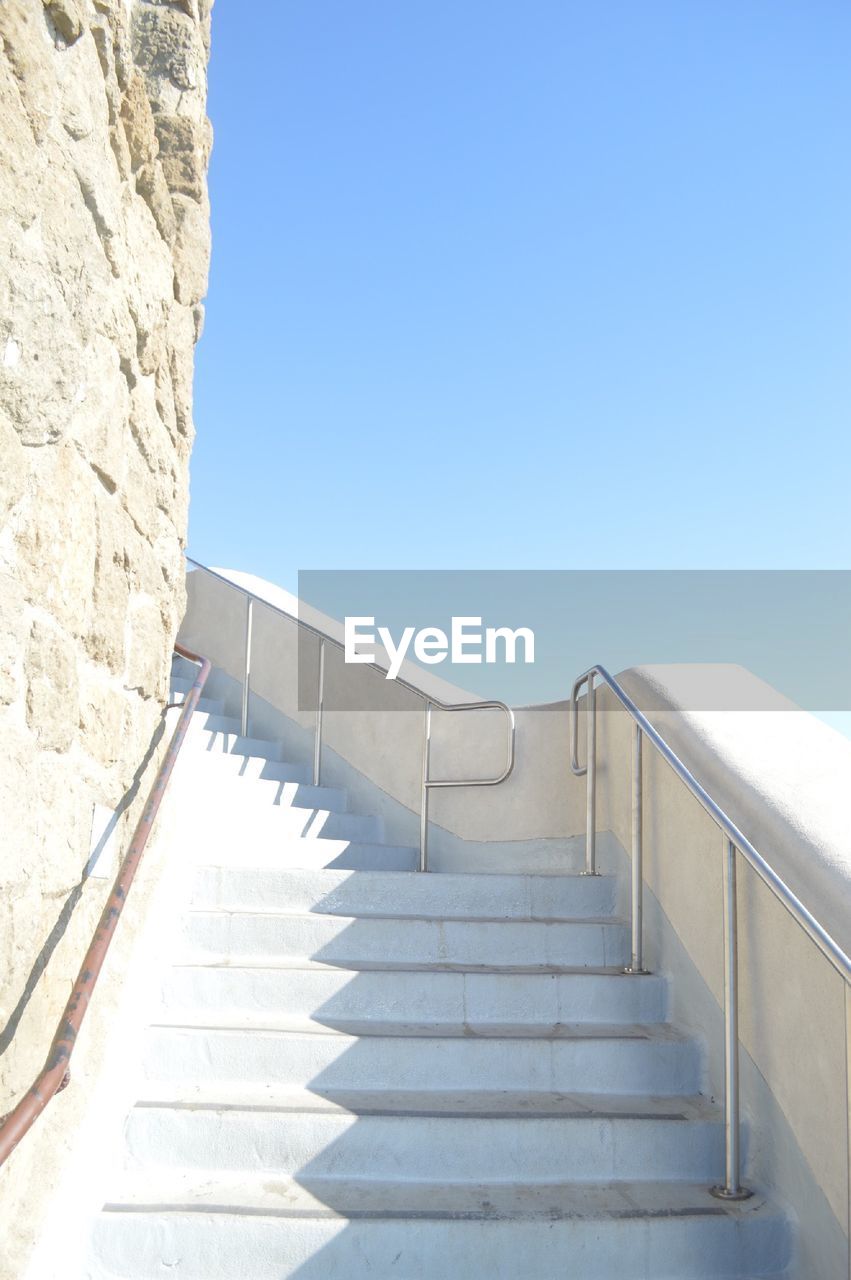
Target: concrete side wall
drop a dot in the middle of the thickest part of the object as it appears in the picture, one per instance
(540, 801)
(792, 1016)
(104, 249)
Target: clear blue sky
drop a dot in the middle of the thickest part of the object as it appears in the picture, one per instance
(538, 284)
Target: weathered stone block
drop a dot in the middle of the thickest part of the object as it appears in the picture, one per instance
(149, 496)
(56, 571)
(102, 709)
(153, 188)
(151, 347)
(18, 782)
(164, 398)
(82, 108)
(169, 50)
(148, 639)
(40, 354)
(122, 46)
(138, 121)
(66, 18)
(100, 420)
(121, 151)
(181, 369)
(189, 7)
(150, 273)
(185, 152)
(184, 135)
(52, 687)
(29, 50)
(13, 467)
(185, 173)
(103, 34)
(105, 638)
(13, 618)
(191, 251)
(106, 208)
(143, 559)
(69, 249)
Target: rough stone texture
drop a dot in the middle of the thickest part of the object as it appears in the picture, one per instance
(104, 248)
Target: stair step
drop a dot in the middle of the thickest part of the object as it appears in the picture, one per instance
(354, 942)
(181, 684)
(346, 1229)
(229, 742)
(582, 1148)
(300, 1023)
(307, 853)
(224, 724)
(247, 798)
(245, 767)
(204, 706)
(274, 823)
(439, 1003)
(371, 893)
(480, 1101)
(636, 1059)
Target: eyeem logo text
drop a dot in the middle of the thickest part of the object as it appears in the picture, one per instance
(466, 642)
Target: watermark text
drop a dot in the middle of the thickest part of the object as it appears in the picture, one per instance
(467, 641)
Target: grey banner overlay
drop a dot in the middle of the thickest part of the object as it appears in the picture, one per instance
(791, 628)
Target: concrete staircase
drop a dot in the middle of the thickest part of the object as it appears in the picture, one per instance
(359, 1071)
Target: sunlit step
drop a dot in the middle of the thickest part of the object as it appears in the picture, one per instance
(305, 854)
(338, 1229)
(204, 735)
(272, 1095)
(444, 896)
(359, 942)
(638, 1059)
(246, 796)
(583, 1148)
(437, 1003)
(264, 822)
(210, 764)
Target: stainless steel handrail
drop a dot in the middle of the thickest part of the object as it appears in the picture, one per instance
(427, 782)
(734, 840)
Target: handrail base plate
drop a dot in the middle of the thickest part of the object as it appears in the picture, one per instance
(721, 1193)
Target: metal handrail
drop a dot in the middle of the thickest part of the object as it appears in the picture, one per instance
(55, 1074)
(430, 703)
(734, 839)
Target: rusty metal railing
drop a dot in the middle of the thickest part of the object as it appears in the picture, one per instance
(55, 1074)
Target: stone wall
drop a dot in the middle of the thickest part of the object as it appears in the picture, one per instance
(104, 248)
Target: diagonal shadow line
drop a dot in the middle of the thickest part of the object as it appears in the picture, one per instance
(66, 913)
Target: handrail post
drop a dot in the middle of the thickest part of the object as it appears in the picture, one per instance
(423, 862)
(847, 1107)
(246, 668)
(317, 732)
(732, 1188)
(636, 964)
(591, 779)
